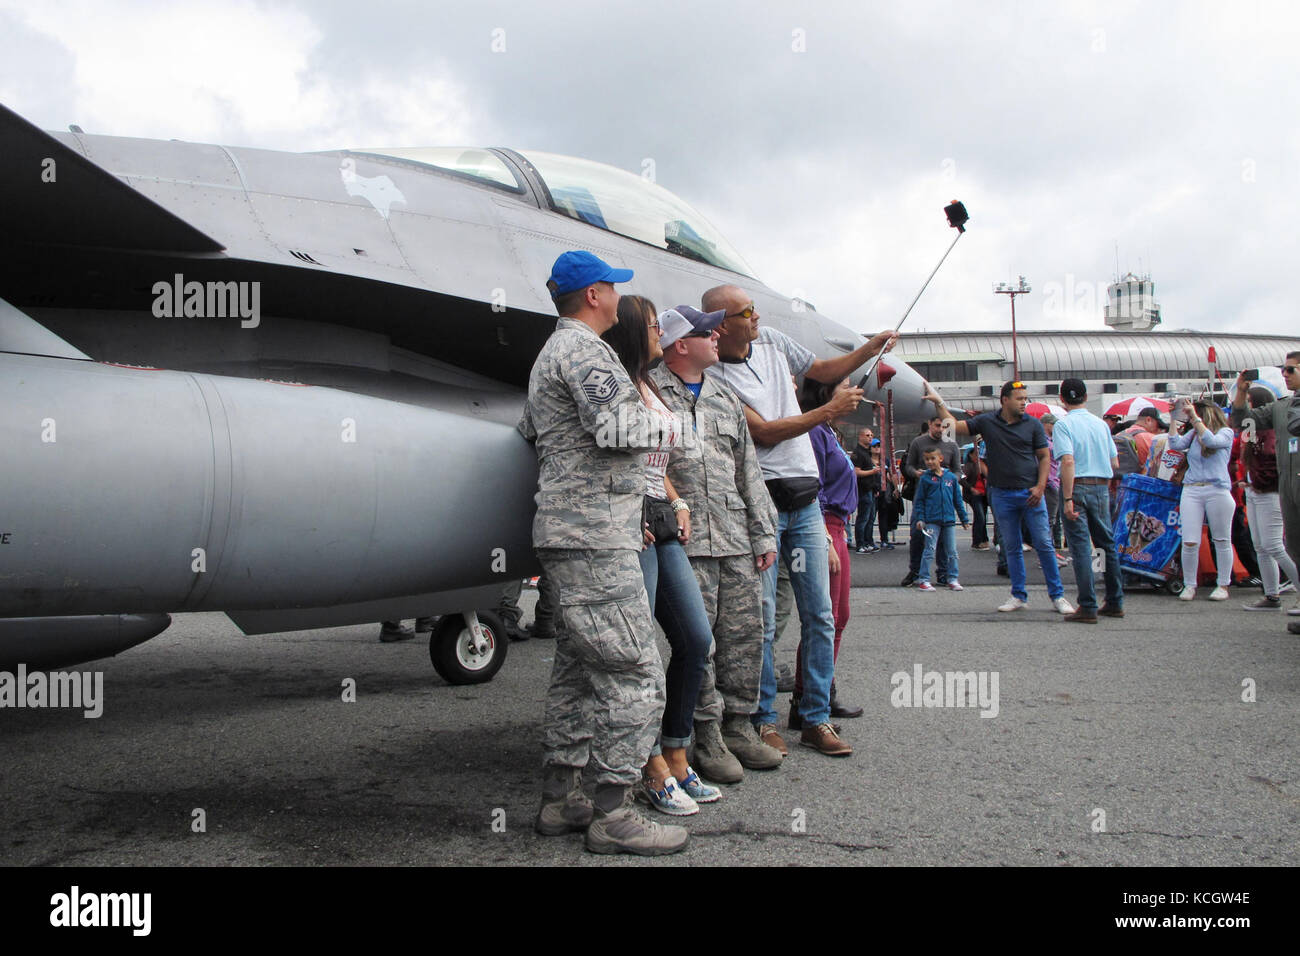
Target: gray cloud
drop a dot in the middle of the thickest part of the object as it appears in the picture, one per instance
(1166, 127)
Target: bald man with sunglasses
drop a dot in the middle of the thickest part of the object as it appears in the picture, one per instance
(758, 365)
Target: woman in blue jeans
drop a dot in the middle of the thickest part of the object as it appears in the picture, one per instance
(670, 783)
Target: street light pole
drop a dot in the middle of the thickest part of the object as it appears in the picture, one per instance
(1011, 291)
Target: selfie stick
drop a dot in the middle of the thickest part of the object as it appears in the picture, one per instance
(957, 217)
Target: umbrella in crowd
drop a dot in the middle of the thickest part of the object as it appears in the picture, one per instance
(1129, 407)
(1039, 409)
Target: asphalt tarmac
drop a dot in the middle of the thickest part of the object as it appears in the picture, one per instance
(1128, 742)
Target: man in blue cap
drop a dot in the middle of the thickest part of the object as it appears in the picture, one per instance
(606, 697)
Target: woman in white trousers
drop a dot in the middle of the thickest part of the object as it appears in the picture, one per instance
(1207, 493)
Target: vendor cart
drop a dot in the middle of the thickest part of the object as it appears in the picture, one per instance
(1148, 531)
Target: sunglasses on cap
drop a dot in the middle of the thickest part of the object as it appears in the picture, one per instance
(698, 335)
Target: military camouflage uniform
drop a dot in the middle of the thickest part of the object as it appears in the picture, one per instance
(606, 697)
(733, 521)
(1283, 417)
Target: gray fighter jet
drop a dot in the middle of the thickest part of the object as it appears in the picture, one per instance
(284, 385)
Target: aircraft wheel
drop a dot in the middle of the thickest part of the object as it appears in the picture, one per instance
(455, 656)
(1174, 586)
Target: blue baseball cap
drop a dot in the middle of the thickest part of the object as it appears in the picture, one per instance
(577, 269)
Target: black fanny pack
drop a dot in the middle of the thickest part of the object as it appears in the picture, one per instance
(791, 494)
(660, 518)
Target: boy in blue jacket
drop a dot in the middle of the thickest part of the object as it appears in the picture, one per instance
(937, 505)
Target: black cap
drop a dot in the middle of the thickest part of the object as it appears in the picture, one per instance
(1074, 391)
(1009, 387)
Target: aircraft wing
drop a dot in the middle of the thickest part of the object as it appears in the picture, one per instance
(52, 194)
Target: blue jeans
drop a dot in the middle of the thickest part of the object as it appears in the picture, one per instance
(866, 517)
(936, 535)
(916, 548)
(675, 596)
(1009, 507)
(1092, 529)
(801, 544)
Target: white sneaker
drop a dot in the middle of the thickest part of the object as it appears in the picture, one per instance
(1026, 548)
(1015, 604)
(1063, 606)
(1219, 594)
(1188, 594)
(955, 586)
(1286, 588)
(672, 799)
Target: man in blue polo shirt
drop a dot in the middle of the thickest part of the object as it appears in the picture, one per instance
(1083, 444)
(1018, 465)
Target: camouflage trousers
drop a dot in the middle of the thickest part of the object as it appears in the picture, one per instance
(733, 599)
(606, 698)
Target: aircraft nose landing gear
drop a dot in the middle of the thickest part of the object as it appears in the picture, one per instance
(468, 648)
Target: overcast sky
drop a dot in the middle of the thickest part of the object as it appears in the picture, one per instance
(822, 142)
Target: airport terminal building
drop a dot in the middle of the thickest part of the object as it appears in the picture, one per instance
(968, 368)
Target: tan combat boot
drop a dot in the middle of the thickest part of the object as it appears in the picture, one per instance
(743, 741)
(712, 758)
(626, 831)
(569, 813)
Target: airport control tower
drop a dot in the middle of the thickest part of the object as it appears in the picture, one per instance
(1131, 304)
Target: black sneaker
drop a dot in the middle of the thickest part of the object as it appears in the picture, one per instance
(908, 581)
(1004, 572)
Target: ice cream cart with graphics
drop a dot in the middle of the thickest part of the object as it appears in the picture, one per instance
(1148, 531)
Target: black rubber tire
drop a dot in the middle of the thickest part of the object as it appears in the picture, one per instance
(1174, 586)
(454, 662)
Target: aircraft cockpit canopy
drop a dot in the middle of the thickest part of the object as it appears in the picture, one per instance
(599, 195)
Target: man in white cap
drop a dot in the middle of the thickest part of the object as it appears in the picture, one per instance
(733, 539)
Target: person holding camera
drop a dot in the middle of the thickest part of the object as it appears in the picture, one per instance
(1282, 418)
(757, 364)
(1207, 492)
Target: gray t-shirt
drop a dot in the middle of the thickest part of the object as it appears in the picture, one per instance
(762, 381)
(915, 463)
(1010, 457)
